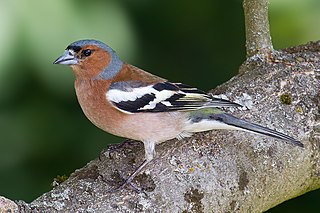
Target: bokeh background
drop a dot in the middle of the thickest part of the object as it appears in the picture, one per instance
(43, 132)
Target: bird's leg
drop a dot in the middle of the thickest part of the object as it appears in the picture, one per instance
(135, 173)
(149, 148)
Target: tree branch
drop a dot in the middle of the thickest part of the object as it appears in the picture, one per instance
(258, 39)
(216, 171)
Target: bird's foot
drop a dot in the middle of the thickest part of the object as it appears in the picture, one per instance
(128, 182)
(112, 148)
(124, 144)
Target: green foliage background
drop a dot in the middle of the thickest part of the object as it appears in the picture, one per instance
(43, 132)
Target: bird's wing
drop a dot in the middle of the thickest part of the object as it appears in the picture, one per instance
(134, 97)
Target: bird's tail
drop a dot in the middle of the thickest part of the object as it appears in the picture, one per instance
(227, 121)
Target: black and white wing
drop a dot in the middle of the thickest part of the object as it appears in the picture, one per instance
(134, 97)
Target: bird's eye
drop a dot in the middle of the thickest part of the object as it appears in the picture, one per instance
(87, 52)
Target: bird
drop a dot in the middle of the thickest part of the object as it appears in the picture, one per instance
(129, 102)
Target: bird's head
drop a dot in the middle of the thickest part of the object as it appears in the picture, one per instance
(91, 59)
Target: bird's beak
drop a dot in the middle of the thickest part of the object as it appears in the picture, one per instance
(67, 58)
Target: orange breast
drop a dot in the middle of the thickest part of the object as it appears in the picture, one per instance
(92, 99)
(157, 127)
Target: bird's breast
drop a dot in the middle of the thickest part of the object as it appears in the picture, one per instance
(157, 127)
(91, 95)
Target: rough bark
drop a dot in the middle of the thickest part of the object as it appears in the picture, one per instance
(216, 171)
(258, 39)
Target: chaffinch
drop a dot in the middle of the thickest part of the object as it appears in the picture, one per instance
(129, 102)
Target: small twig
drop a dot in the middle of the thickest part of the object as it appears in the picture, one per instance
(258, 39)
